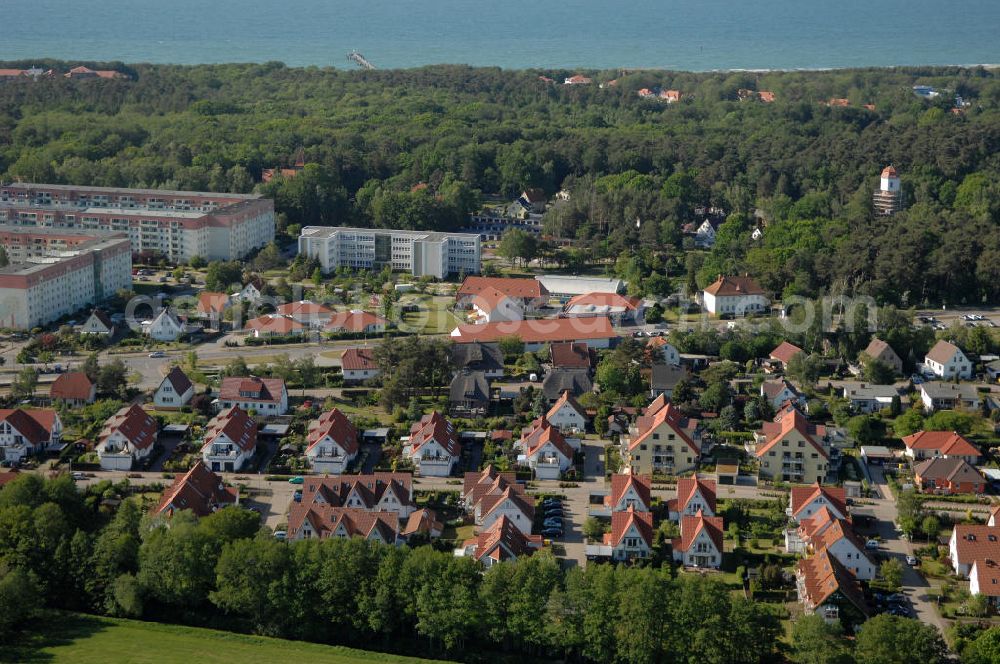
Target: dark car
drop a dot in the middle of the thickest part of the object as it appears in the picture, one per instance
(553, 523)
(552, 532)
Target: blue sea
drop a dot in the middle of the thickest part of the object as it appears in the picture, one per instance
(676, 34)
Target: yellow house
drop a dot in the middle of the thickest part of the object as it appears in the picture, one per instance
(790, 449)
(663, 441)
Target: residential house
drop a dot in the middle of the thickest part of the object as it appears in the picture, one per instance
(502, 540)
(631, 534)
(664, 378)
(230, 440)
(323, 520)
(663, 352)
(567, 414)
(577, 79)
(629, 491)
(469, 393)
(175, 390)
(433, 446)
(356, 322)
(618, 308)
(128, 436)
(735, 296)
(491, 305)
(73, 388)
(98, 323)
(530, 293)
(165, 326)
(331, 443)
(694, 495)
(423, 522)
(266, 326)
(559, 381)
(826, 588)
(946, 361)
(482, 357)
(783, 354)
(984, 579)
(662, 440)
(310, 314)
(948, 476)
(251, 292)
(972, 542)
(358, 365)
(700, 543)
(199, 490)
(704, 236)
(265, 396)
(869, 398)
(489, 494)
(882, 352)
(535, 333)
(24, 432)
(937, 395)
(212, 306)
(807, 501)
(571, 356)
(377, 492)
(545, 450)
(792, 449)
(780, 392)
(993, 370)
(946, 444)
(825, 532)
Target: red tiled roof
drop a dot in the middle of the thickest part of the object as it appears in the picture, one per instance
(734, 285)
(570, 355)
(620, 484)
(622, 522)
(199, 490)
(358, 359)
(823, 575)
(889, 172)
(369, 489)
(334, 424)
(792, 420)
(603, 300)
(953, 471)
(502, 540)
(484, 480)
(178, 380)
(987, 573)
(304, 309)
(422, 521)
(489, 299)
(539, 434)
(785, 352)
(212, 303)
(103, 317)
(35, 424)
(538, 330)
(236, 425)
(137, 426)
(976, 542)
(691, 526)
(524, 289)
(326, 519)
(434, 427)
(274, 324)
(669, 415)
(945, 443)
(564, 399)
(73, 385)
(353, 321)
(803, 495)
(686, 487)
(251, 388)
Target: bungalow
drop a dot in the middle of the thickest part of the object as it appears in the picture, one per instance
(700, 543)
(73, 389)
(469, 393)
(265, 396)
(664, 378)
(268, 325)
(577, 79)
(165, 327)
(808, 500)
(482, 357)
(694, 495)
(882, 352)
(501, 540)
(128, 436)
(24, 432)
(972, 542)
(98, 324)
(662, 440)
(377, 492)
(356, 322)
(936, 395)
(545, 450)
(230, 440)
(792, 449)
(631, 534)
(358, 365)
(783, 354)
(308, 313)
(322, 520)
(629, 491)
(826, 588)
(199, 490)
(735, 296)
(491, 305)
(422, 522)
(433, 446)
(331, 442)
(529, 293)
(868, 398)
(780, 392)
(946, 360)
(559, 381)
(947, 444)
(948, 476)
(617, 308)
(535, 333)
(174, 391)
(567, 414)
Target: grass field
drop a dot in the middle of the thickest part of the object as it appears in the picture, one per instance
(80, 639)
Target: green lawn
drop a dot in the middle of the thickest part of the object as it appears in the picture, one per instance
(80, 639)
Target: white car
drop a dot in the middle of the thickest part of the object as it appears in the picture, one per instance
(871, 545)
(911, 561)
(157, 353)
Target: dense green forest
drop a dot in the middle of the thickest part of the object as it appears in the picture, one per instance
(472, 134)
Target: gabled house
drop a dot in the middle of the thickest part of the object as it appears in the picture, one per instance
(491, 305)
(433, 446)
(808, 500)
(826, 588)
(212, 306)
(618, 308)
(356, 322)
(230, 440)
(868, 398)
(694, 495)
(783, 354)
(984, 579)
(970, 543)
(779, 392)
(530, 293)
(946, 361)
(99, 324)
(662, 440)
(322, 520)
(701, 541)
(571, 356)
(882, 352)
(535, 333)
(489, 494)
(331, 442)
(475, 356)
(175, 390)
(947, 444)
(358, 365)
(267, 326)
(824, 532)
(423, 522)
(251, 292)
(631, 535)
(948, 476)
(73, 388)
(704, 236)
(792, 449)
(502, 540)
(629, 491)
(545, 450)
(559, 381)
(477, 484)
(469, 394)
(662, 351)
(938, 395)
(377, 492)
(28, 431)
(567, 414)
(663, 378)
(310, 314)
(165, 326)
(199, 490)
(735, 296)
(265, 396)
(127, 437)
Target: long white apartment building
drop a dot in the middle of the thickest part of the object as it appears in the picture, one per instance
(421, 253)
(54, 273)
(175, 224)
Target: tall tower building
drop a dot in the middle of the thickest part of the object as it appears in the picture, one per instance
(888, 198)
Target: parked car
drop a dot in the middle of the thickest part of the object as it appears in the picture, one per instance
(552, 523)
(871, 545)
(280, 535)
(552, 532)
(296, 480)
(912, 561)
(157, 353)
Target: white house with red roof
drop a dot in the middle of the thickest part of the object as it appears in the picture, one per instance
(792, 449)
(322, 521)
(230, 440)
(779, 392)
(631, 535)
(310, 314)
(783, 354)
(265, 396)
(433, 446)
(946, 444)
(502, 540)
(825, 532)
(128, 436)
(972, 542)
(375, 492)
(567, 414)
(827, 589)
(701, 541)
(73, 388)
(545, 449)
(356, 322)
(199, 490)
(694, 495)
(662, 440)
(629, 491)
(946, 361)
(489, 495)
(269, 325)
(984, 579)
(616, 307)
(596, 332)
(358, 365)
(174, 391)
(331, 442)
(24, 432)
(491, 305)
(808, 500)
(735, 296)
(529, 293)
(422, 522)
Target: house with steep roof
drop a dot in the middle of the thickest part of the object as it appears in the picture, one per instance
(629, 491)
(322, 521)
(28, 431)
(825, 532)
(175, 390)
(482, 357)
(265, 396)
(356, 322)
(433, 446)
(489, 494)
(984, 579)
(567, 414)
(251, 291)
(230, 440)
(946, 361)
(947, 444)
(358, 365)
(663, 378)
(972, 542)
(662, 351)
(631, 535)
(73, 388)
(491, 305)
(571, 356)
(199, 490)
(735, 296)
(331, 442)
(128, 436)
(477, 484)
(559, 381)
(165, 326)
(881, 351)
(99, 324)
(375, 492)
(948, 476)
(701, 541)
(469, 394)
(662, 440)
(618, 308)
(423, 522)
(806, 501)
(545, 449)
(212, 306)
(501, 541)
(939, 395)
(780, 392)
(826, 588)
(783, 354)
(529, 293)
(694, 495)
(792, 449)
